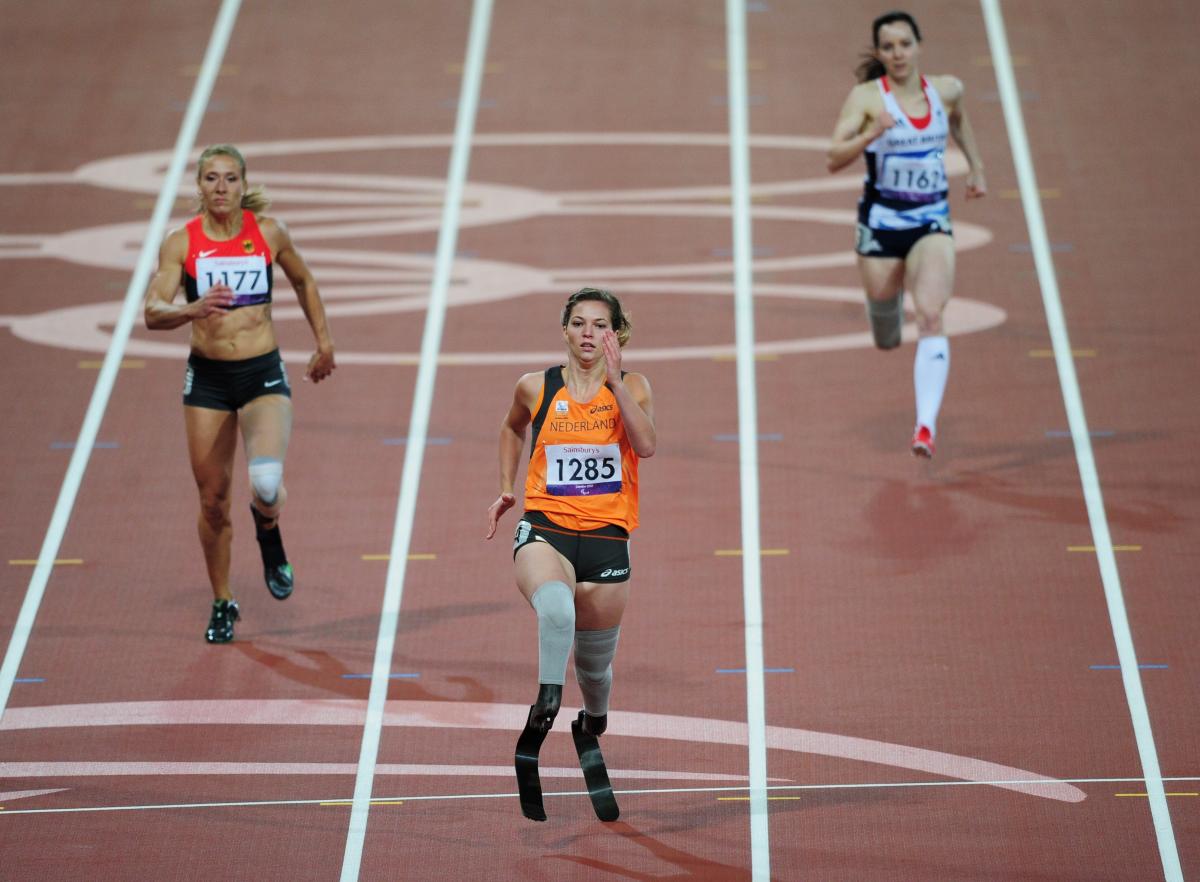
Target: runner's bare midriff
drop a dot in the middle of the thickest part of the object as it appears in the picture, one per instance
(237, 334)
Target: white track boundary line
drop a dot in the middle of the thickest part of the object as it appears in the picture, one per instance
(1088, 476)
(739, 166)
(663, 791)
(418, 431)
(116, 350)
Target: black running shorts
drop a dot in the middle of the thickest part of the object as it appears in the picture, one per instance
(231, 385)
(597, 555)
(893, 243)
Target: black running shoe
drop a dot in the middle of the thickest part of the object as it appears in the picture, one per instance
(220, 626)
(277, 572)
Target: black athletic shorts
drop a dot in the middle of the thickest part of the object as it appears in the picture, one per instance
(598, 555)
(231, 385)
(894, 243)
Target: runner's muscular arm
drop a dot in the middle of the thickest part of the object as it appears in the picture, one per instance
(512, 442)
(633, 398)
(159, 312)
(288, 257)
(951, 91)
(637, 414)
(857, 126)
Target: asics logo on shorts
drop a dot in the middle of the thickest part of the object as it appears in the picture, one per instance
(611, 572)
(187, 381)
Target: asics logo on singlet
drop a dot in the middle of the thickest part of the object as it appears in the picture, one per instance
(610, 572)
(600, 408)
(208, 252)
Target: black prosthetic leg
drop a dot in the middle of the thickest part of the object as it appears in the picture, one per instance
(537, 727)
(585, 730)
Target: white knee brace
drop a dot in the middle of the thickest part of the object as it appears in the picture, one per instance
(266, 475)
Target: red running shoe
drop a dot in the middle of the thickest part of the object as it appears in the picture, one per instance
(922, 442)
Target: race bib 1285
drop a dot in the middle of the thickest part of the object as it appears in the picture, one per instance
(583, 469)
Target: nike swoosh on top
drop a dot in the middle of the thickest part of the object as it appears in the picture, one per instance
(208, 252)
(272, 383)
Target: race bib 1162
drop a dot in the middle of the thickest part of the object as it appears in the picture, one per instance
(912, 177)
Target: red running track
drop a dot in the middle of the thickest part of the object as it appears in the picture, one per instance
(925, 620)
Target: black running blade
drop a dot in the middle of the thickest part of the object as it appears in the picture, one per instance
(595, 773)
(529, 784)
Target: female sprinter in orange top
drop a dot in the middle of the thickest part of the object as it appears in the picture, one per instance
(235, 377)
(898, 121)
(592, 422)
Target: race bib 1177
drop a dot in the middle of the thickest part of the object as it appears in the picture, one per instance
(247, 276)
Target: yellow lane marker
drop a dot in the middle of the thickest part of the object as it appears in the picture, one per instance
(373, 802)
(1165, 794)
(1044, 192)
(125, 363)
(759, 357)
(737, 552)
(1092, 548)
(65, 561)
(414, 556)
(1049, 353)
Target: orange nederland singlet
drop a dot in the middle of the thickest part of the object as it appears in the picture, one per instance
(243, 263)
(582, 469)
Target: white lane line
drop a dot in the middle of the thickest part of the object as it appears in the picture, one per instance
(656, 791)
(739, 167)
(1088, 476)
(418, 430)
(116, 350)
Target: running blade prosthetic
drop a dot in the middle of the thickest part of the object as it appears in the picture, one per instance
(537, 725)
(529, 784)
(595, 773)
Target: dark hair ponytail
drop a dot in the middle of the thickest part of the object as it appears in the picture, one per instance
(870, 67)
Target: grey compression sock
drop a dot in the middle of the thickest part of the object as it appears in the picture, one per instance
(887, 318)
(594, 651)
(555, 607)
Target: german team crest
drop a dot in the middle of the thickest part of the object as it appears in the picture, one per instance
(248, 246)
